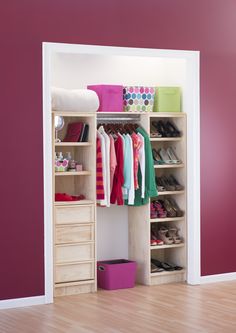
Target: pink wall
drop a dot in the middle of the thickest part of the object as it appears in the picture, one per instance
(205, 25)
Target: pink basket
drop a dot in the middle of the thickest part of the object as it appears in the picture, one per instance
(116, 274)
(110, 97)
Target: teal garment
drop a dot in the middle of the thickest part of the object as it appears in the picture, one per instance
(150, 183)
(127, 162)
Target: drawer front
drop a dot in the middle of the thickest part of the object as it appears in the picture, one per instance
(74, 234)
(75, 252)
(75, 272)
(71, 214)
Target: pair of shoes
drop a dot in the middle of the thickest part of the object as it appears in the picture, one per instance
(155, 239)
(156, 269)
(170, 235)
(167, 266)
(169, 183)
(169, 156)
(172, 208)
(166, 129)
(157, 209)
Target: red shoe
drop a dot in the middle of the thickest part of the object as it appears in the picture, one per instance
(62, 197)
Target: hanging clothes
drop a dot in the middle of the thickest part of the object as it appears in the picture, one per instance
(107, 163)
(142, 164)
(113, 160)
(103, 202)
(150, 184)
(116, 194)
(137, 142)
(99, 174)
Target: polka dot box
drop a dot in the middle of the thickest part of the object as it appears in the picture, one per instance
(138, 98)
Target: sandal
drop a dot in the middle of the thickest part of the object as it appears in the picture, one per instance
(172, 156)
(174, 132)
(159, 185)
(173, 233)
(156, 157)
(163, 265)
(162, 232)
(165, 157)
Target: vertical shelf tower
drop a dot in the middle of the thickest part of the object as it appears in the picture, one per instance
(74, 222)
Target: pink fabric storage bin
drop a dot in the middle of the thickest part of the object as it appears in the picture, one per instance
(116, 274)
(110, 97)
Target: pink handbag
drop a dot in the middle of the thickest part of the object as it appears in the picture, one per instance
(110, 97)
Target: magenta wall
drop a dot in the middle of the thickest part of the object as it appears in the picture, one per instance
(205, 25)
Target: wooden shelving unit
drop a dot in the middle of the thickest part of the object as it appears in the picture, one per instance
(174, 253)
(75, 221)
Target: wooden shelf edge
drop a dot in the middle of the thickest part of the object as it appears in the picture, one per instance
(73, 113)
(165, 139)
(167, 273)
(162, 247)
(74, 173)
(74, 203)
(169, 193)
(167, 166)
(73, 144)
(91, 261)
(167, 219)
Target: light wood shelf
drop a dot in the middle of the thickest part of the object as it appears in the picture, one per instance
(73, 114)
(165, 139)
(167, 114)
(76, 283)
(167, 219)
(182, 271)
(72, 144)
(77, 202)
(169, 166)
(162, 247)
(170, 193)
(73, 173)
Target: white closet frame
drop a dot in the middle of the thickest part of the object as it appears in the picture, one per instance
(192, 109)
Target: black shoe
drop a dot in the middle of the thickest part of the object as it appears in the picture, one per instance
(172, 130)
(175, 183)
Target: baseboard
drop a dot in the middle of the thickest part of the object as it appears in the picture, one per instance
(218, 278)
(21, 302)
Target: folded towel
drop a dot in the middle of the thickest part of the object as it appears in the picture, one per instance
(80, 100)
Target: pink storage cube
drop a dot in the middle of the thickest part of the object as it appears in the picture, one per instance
(116, 274)
(110, 97)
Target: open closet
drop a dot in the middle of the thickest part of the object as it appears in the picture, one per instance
(83, 232)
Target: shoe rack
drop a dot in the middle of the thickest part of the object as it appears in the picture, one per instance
(140, 220)
(74, 222)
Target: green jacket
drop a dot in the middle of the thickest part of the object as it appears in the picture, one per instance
(150, 183)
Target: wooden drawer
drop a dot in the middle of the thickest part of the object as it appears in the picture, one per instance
(72, 214)
(74, 252)
(74, 272)
(74, 233)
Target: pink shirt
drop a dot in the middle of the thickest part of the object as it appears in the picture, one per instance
(137, 143)
(113, 160)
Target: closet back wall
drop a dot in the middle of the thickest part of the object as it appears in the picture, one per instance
(205, 25)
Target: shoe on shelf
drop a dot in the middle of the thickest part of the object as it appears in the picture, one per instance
(179, 212)
(165, 156)
(156, 157)
(155, 239)
(176, 267)
(171, 212)
(172, 180)
(160, 127)
(159, 185)
(153, 211)
(172, 156)
(161, 211)
(156, 269)
(173, 233)
(164, 265)
(163, 235)
(172, 129)
(167, 184)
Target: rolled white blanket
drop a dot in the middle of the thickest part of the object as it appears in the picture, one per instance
(78, 100)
